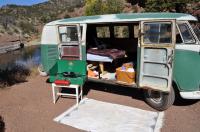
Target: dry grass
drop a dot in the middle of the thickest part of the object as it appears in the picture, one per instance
(34, 71)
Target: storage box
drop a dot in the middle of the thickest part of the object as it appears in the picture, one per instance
(125, 76)
(128, 65)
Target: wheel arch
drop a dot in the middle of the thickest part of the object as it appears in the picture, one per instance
(176, 88)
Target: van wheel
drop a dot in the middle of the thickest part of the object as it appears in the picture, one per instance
(159, 100)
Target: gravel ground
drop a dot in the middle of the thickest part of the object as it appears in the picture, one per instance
(28, 107)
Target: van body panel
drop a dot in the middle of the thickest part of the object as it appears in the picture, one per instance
(49, 47)
(49, 35)
(187, 67)
(49, 55)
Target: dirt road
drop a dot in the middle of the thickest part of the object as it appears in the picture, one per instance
(29, 107)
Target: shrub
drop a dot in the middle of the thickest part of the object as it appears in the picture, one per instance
(98, 7)
(27, 27)
(13, 75)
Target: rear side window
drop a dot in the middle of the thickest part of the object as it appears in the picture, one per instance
(186, 33)
(68, 33)
(121, 32)
(103, 32)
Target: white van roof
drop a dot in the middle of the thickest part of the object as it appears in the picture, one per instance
(124, 17)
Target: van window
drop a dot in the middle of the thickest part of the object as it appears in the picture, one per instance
(136, 31)
(155, 33)
(121, 32)
(178, 37)
(68, 33)
(196, 31)
(103, 32)
(186, 33)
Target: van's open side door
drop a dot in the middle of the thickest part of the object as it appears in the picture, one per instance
(157, 43)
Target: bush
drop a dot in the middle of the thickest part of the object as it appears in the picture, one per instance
(27, 27)
(98, 7)
(10, 76)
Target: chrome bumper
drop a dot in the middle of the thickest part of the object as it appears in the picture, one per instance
(190, 95)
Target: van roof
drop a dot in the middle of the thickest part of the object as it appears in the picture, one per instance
(124, 17)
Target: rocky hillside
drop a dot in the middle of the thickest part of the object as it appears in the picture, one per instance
(27, 21)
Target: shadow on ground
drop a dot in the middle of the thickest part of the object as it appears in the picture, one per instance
(116, 89)
(135, 93)
(131, 92)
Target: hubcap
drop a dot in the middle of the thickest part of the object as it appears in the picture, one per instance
(155, 96)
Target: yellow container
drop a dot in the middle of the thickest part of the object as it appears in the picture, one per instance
(125, 76)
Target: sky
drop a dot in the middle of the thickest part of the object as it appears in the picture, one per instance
(20, 2)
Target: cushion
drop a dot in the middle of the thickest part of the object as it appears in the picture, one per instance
(62, 82)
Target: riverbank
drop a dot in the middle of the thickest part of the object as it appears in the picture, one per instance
(17, 65)
(29, 106)
(16, 46)
(12, 44)
(34, 42)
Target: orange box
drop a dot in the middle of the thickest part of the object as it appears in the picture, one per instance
(125, 76)
(128, 65)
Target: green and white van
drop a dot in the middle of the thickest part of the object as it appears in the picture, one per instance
(164, 49)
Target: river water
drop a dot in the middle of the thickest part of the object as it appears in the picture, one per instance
(27, 57)
(17, 65)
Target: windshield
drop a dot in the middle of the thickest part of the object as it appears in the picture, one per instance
(186, 33)
(196, 31)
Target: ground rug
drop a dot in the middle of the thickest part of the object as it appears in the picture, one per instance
(97, 116)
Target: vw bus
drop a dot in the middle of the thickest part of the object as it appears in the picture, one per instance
(156, 52)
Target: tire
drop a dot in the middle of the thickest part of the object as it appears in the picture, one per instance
(159, 100)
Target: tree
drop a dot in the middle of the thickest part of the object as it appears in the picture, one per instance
(166, 5)
(98, 7)
(6, 20)
(114, 6)
(93, 7)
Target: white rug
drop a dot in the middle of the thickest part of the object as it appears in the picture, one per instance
(97, 116)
